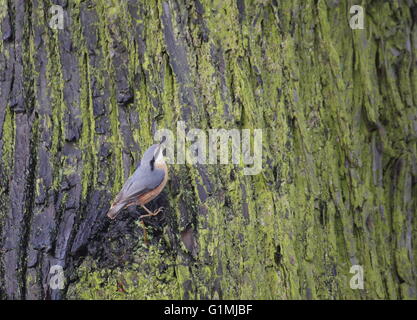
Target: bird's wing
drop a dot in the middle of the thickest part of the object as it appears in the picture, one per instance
(140, 182)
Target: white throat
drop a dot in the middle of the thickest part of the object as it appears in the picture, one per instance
(160, 158)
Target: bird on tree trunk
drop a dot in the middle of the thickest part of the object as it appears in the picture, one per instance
(144, 185)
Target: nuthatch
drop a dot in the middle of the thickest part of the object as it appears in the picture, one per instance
(148, 180)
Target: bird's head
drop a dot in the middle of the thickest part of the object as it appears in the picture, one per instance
(153, 155)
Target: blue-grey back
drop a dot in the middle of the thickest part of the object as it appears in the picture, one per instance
(142, 180)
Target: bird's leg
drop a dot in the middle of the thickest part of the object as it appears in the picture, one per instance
(147, 210)
(150, 213)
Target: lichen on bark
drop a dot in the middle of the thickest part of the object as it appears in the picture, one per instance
(337, 107)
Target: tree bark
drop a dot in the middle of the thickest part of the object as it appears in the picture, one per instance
(338, 110)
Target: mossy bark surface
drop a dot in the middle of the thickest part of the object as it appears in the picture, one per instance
(338, 110)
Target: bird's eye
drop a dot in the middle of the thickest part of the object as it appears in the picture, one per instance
(152, 163)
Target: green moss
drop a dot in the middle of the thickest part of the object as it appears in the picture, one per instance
(141, 280)
(7, 138)
(88, 143)
(337, 111)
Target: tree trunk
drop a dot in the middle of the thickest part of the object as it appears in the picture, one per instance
(337, 106)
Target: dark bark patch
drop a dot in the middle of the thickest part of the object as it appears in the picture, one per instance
(6, 28)
(189, 240)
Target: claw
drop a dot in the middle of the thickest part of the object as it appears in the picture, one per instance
(153, 213)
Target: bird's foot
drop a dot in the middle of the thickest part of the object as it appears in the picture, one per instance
(152, 214)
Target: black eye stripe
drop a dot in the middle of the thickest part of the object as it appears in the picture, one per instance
(152, 163)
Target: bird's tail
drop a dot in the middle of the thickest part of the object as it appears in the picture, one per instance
(115, 209)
